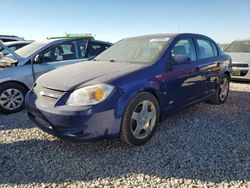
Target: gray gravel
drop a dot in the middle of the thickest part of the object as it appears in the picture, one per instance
(204, 146)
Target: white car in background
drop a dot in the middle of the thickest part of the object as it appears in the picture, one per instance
(239, 50)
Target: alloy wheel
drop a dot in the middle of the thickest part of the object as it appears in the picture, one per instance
(224, 87)
(143, 119)
(11, 99)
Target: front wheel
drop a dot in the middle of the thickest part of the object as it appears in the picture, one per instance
(12, 97)
(140, 119)
(222, 90)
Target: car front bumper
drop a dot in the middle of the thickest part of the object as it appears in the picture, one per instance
(241, 71)
(74, 124)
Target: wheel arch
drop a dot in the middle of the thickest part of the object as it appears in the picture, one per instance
(132, 92)
(226, 71)
(228, 74)
(16, 82)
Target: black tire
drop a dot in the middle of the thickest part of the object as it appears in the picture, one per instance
(217, 99)
(127, 134)
(16, 87)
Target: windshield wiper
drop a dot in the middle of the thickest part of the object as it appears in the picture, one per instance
(112, 60)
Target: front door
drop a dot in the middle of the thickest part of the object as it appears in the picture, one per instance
(56, 57)
(183, 82)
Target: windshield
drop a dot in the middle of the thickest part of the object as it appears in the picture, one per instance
(26, 51)
(144, 50)
(239, 46)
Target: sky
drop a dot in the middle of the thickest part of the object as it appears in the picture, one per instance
(112, 20)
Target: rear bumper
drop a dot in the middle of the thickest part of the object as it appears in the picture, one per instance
(86, 124)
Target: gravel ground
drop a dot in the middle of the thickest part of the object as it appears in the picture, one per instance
(204, 146)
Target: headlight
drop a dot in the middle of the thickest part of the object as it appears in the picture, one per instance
(89, 95)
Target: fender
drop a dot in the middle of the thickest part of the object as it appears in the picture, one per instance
(130, 92)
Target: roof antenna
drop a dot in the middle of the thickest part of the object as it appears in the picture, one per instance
(178, 28)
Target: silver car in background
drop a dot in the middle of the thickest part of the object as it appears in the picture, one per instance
(239, 50)
(20, 69)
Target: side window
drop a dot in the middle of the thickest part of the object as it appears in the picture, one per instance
(96, 48)
(65, 51)
(184, 47)
(82, 47)
(205, 48)
(215, 50)
(16, 47)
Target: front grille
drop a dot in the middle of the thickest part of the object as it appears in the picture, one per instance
(240, 65)
(46, 94)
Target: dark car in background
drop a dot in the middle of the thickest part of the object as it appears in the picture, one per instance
(239, 50)
(20, 69)
(129, 87)
(10, 38)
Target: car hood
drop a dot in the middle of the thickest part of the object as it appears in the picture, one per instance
(239, 57)
(85, 73)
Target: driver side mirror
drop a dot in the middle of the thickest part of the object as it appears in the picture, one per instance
(1, 55)
(37, 58)
(179, 59)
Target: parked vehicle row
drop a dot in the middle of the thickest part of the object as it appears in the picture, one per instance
(125, 91)
(19, 69)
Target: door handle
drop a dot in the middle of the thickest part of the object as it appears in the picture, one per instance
(198, 68)
(219, 64)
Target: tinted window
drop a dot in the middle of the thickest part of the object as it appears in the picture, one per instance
(184, 47)
(82, 47)
(65, 51)
(16, 47)
(215, 50)
(205, 48)
(96, 48)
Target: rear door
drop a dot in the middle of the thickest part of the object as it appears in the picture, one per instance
(209, 62)
(59, 56)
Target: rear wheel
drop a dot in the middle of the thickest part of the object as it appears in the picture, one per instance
(140, 119)
(12, 97)
(222, 90)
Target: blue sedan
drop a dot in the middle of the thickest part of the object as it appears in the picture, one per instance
(126, 90)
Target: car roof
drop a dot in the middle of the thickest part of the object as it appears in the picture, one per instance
(13, 37)
(18, 42)
(242, 40)
(170, 35)
(72, 39)
(105, 42)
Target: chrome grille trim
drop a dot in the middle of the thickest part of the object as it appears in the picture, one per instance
(47, 94)
(240, 65)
